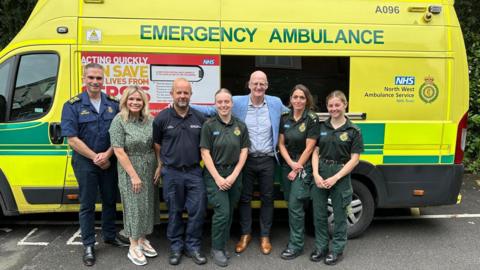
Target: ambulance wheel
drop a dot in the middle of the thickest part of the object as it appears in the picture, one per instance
(361, 214)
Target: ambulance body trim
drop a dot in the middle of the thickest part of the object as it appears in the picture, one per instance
(441, 183)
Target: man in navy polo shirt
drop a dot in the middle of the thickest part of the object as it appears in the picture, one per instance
(176, 133)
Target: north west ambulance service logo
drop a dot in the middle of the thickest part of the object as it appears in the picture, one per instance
(237, 131)
(109, 109)
(428, 90)
(344, 136)
(301, 128)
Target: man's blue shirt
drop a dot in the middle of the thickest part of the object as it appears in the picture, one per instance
(81, 119)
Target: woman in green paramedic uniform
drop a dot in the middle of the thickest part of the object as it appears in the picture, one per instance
(336, 155)
(299, 130)
(224, 146)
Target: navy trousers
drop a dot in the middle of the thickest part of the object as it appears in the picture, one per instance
(91, 179)
(184, 190)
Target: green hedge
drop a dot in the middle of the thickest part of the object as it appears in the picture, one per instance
(468, 11)
(14, 13)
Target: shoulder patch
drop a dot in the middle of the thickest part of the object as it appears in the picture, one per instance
(112, 98)
(355, 127)
(313, 115)
(210, 120)
(74, 99)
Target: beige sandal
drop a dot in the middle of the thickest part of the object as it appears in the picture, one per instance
(147, 249)
(136, 256)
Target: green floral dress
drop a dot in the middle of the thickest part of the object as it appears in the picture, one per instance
(140, 210)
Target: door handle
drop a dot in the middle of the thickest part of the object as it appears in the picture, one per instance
(55, 133)
(351, 115)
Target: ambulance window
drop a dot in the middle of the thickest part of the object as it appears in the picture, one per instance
(320, 74)
(34, 86)
(4, 82)
(278, 62)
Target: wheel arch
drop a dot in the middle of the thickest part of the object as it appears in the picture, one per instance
(369, 175)
(7, 200)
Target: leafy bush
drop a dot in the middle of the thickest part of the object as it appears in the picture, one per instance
(14, 14)
(467, 11)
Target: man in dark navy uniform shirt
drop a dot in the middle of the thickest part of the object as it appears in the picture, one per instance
(86, 119)
(176, 133)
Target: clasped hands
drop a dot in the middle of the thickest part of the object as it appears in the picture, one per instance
(102, 160)
(324, 183)
(225, 183)
(296, 169)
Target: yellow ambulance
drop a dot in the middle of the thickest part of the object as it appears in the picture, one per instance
(401, 63)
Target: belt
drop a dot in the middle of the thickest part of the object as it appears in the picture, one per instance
(331, 162)
(183, 168)
(225, 167)
(257, 155)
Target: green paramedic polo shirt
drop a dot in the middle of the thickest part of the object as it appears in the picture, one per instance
(224, 140)
(338, 144)
(296, 133)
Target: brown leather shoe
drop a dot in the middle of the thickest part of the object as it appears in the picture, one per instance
(265, 245)
(243, 243)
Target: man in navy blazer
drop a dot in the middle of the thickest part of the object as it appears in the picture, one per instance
(261, 113)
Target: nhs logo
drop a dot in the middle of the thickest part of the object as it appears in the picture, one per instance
(209, 61)
(404, 80)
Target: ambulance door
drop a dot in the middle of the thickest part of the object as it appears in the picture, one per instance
(34, 84)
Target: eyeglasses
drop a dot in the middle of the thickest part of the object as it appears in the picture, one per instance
(95, 78)
(259, 84)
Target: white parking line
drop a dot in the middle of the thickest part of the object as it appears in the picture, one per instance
(24, 243)
(429, 217)
(71, 241)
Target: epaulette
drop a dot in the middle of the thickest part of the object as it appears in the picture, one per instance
(356, 128)
(112, 98)
(313, 115)
(210, 119)
(285, 113)
(74, 99)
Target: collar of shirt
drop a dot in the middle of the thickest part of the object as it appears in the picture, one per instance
(347, 125)
(304, 115)
(250, 103)
(86, 100)
(223, 123)
(174, 113)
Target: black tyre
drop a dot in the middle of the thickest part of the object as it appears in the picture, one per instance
(362, 210)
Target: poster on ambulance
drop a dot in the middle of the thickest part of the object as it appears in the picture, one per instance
(155, 73)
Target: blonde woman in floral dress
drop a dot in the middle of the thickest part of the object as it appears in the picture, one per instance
(131, 139)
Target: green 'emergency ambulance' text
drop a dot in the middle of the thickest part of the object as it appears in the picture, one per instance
(246, 34)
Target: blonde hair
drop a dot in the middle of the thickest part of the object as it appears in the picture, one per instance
(223, 90)
(337, 94)
(125, 113)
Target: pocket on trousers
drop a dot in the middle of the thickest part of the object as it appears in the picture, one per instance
(347, 197)
(304, 189)
(212, 198)
(212, 190)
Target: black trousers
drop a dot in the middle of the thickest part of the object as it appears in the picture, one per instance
(259, 169)
(184, 190)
